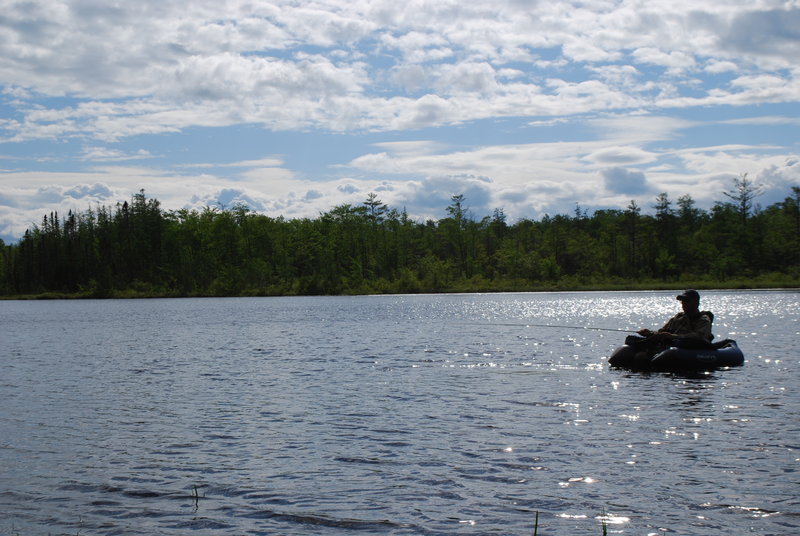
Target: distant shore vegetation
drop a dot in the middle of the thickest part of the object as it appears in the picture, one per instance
(136, 249)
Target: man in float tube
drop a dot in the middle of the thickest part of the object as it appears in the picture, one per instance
(691, 328)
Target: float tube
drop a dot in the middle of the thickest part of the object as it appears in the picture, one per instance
(724, 353)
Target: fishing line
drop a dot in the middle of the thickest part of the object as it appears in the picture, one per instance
(563, 327)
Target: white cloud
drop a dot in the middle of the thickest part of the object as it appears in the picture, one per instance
(525, 180)
(106, 154)
(639, 127)
(765, 120)
(731, 160)
(676, 62)
(267, 175)
(778, 179)
(212, 64)
(260, 163)
(715, 66)
(417, 47)
(620, 75)
(525, 104)
(231, 197)
(93, 192)
(467, 78)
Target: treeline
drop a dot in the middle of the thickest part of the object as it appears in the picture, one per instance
(138, 249)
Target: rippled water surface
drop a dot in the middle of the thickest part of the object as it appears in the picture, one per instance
(454, 414)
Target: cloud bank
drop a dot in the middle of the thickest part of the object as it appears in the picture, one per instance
(294, 107)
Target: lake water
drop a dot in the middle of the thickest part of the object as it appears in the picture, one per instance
(393, 415)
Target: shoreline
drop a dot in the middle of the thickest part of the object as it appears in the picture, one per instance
(788, 284)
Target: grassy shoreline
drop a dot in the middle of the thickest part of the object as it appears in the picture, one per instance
(466, 287)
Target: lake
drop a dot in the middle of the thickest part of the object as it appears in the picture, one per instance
(393, 415)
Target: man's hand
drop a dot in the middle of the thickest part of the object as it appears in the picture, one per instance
(657, 335)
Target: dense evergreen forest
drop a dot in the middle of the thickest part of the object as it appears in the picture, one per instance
(138, 249)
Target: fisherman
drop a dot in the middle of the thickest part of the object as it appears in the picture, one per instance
(691, 323)
(683, 343)
(688, 329)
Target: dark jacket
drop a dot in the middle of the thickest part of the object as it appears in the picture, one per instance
(691, 325)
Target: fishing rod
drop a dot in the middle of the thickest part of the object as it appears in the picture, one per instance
(564, 327)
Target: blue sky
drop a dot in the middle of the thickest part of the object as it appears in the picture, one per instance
(295, 107)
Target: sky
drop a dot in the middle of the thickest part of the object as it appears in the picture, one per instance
(295, 107)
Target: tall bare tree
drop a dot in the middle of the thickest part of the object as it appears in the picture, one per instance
(743, 193)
